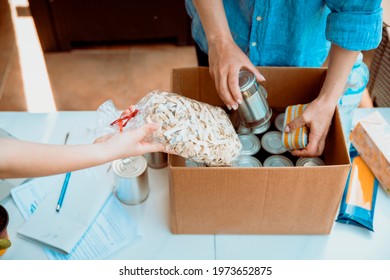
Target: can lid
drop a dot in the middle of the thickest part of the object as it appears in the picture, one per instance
(245, 80)
(279, 122)
(277, 161)
(130, 167)
(314, 161)
(246, 161)
(272, 142)
(250, 144)
(261, 128)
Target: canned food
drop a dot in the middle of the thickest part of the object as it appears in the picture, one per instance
(314, 161)
(261, 128)
(191, 163)
(250, 144)
(131, 180)
(298, 138)
(254, 109)
(278, 161)
(272, 142)
(156, 160)
(246, 161)
(243, 130)
(279, 122)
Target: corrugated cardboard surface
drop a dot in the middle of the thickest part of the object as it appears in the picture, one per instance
(290, 200)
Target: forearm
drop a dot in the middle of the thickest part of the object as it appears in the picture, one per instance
(213, 17)
(27, 159)
(340, 64)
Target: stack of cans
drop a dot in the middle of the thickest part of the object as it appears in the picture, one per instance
(298, 138)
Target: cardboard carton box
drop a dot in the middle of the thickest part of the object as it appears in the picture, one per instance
(286, 200)
(371, 138)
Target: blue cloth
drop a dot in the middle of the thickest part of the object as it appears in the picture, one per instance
(296, 33)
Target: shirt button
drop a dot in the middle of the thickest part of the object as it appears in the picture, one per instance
(258, 18)
(254, 44)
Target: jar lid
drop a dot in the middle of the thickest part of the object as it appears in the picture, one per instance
(250, 144)
(278, 161)
(272, 142)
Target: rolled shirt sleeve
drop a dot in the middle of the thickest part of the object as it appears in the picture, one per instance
(354, 25)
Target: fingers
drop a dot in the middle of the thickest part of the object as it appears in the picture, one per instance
(223, 90)
(233, 85)
(312, 149)
(144, 131)
(259, 77)
(295, 124)
(150, 147)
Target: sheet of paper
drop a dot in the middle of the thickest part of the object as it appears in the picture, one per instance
(111, 230)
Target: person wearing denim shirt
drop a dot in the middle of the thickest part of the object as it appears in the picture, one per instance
(240, 34)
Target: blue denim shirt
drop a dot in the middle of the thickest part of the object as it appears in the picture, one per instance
(296, 33)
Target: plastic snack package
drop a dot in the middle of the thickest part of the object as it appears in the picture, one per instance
(358, 202)
(194, 130)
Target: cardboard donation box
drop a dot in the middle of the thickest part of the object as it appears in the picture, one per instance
(263, 200)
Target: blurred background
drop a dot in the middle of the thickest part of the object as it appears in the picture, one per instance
(75, 54)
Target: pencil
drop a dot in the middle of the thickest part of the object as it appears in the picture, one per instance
(63, 191)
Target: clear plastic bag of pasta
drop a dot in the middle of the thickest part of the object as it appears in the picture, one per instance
(189, 128)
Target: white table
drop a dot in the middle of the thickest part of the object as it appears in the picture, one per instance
(345, 241)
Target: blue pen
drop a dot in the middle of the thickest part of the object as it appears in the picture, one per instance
(63, 190)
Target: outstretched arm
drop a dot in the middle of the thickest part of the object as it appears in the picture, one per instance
(27, 159)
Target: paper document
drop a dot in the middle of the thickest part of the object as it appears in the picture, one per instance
(85, 196)
(111, 230)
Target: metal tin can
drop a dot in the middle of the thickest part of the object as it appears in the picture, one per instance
(254, 109)
(156, 160)
(272, 142)
(278, 161)
(131, 180)
(314, 161)
(190, 163)
(246, 161)
(279, 122)
(261, 128)
(250, 144)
